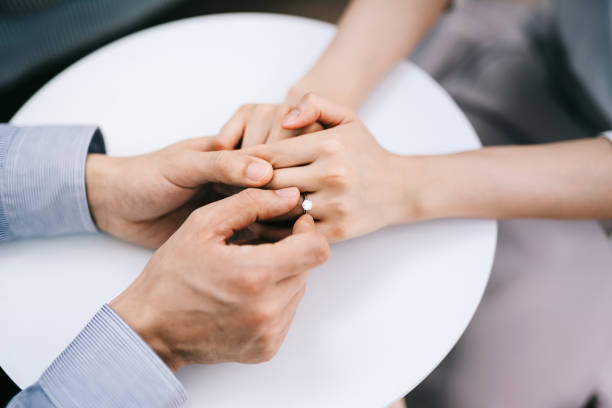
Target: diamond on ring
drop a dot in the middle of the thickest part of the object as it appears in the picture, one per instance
(306, 205)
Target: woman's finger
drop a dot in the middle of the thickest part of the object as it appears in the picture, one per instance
(313, 108)
(231, 133)
(315, 127)
(320, 210)
(277, 132)
(258, 127)
(296, 151)
(306, 178)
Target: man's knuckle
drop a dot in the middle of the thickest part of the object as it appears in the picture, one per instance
(220, 144)
(260, 316)
(269, 353)
(250, 196)
(269, 345)
(198, 216)
(321, 250)
(222, 160)
(252, 282)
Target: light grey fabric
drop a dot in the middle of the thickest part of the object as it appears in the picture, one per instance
(42, 180)
(106, 366)
(542, 336)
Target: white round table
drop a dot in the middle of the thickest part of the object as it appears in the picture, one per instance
(376, 319)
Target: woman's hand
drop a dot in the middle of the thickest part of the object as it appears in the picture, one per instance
(355, 185)
(255, 124)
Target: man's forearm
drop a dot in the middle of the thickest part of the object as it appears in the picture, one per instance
(559, 180)
(372, 37)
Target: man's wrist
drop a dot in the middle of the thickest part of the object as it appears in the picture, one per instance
(118, 367)
(133, 308)
(99, 174)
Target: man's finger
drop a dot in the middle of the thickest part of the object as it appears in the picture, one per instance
(312, 109)
(304, 224)
(270, 232)
(321, 209)
(204, 143)
(300, 252)
(237, 212)
(315, 127)
(192, 168)
(225, 190)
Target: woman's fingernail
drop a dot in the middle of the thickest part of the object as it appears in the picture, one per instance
(256, 171)
(291, 116)
(286, 192)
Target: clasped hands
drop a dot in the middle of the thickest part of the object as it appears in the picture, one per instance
(204, 298)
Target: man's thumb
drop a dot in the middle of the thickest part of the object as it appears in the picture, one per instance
(229, 167)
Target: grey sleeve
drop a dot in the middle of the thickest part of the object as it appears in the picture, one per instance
(42, 180)
(106, 366)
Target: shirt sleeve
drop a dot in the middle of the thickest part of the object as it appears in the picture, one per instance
(608, 135)
(107, 365)
(42, 180)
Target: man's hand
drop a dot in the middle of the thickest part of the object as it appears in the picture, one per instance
(202, 300)
(144, 199)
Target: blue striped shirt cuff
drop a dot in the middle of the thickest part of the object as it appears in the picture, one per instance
(42, 180)
(109, 365)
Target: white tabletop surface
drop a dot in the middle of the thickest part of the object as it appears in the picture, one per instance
(376, 319)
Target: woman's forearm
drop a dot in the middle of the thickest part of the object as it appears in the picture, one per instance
(372, 37)
(558, 180)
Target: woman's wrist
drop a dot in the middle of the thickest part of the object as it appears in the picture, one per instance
(322, 82)
(423, 189)
(404, 192)
(308, 84)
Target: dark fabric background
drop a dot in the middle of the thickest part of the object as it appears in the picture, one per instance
(328, 10)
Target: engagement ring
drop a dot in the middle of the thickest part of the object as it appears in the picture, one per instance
(306, 204)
